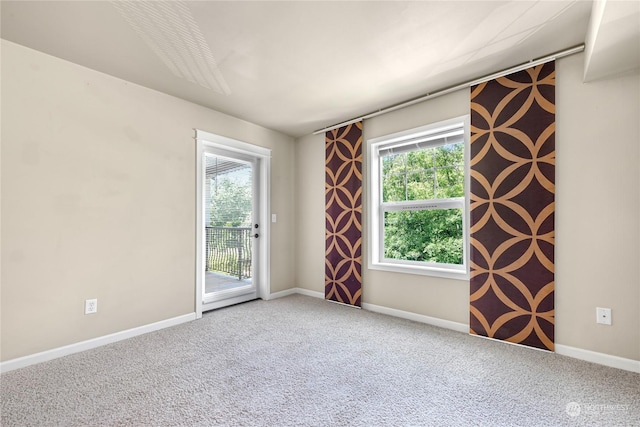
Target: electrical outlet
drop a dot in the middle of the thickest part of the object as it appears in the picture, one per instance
(603, 315)
(91, 306)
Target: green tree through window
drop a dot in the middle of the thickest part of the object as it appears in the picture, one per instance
(231, 200)
(429, 235)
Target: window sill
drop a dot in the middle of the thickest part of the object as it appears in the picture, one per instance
(446, 273)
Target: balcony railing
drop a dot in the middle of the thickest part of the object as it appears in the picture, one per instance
(229, 251)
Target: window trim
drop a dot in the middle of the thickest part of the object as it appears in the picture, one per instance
(375, 207)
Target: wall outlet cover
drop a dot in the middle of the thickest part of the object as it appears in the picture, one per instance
(91, 306)
(603, 316)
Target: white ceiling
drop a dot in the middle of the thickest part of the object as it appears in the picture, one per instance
(300, 66)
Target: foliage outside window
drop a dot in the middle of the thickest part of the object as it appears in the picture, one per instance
(418, 200)
(228, 192)
(230, 204)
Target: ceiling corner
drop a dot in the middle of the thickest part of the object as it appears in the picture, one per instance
(612, 44)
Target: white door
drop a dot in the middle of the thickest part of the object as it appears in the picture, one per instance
(231, 223)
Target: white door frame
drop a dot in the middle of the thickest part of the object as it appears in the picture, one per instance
(206, 140)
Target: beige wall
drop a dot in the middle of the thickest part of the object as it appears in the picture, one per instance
(98, 201)
(598, 210)
(598, 206)
(310, 219)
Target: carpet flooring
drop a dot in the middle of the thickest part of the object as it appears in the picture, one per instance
(301, 361)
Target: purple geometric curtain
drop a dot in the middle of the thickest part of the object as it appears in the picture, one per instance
(512, 207)
(343, 202)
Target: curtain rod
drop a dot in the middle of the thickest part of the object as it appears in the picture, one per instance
(515, 69)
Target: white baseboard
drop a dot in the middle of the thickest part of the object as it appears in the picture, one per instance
(599, 358)
(282, 294)
(460, 327)
(576, 353)
(310, 293)
(564, 350)
(66, 350)
(300, 291)
(442, 323)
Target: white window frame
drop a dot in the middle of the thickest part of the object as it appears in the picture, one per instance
(375, 208)
(206, 141)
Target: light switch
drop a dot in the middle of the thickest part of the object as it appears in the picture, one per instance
(274, 218)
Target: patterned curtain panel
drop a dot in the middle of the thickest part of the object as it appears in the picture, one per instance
(512, 207)
(343, 201)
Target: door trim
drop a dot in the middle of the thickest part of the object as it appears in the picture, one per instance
(206, 140)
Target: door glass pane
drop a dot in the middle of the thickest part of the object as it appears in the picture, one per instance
(228, 224)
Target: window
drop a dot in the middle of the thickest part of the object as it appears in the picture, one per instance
(418, 184)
